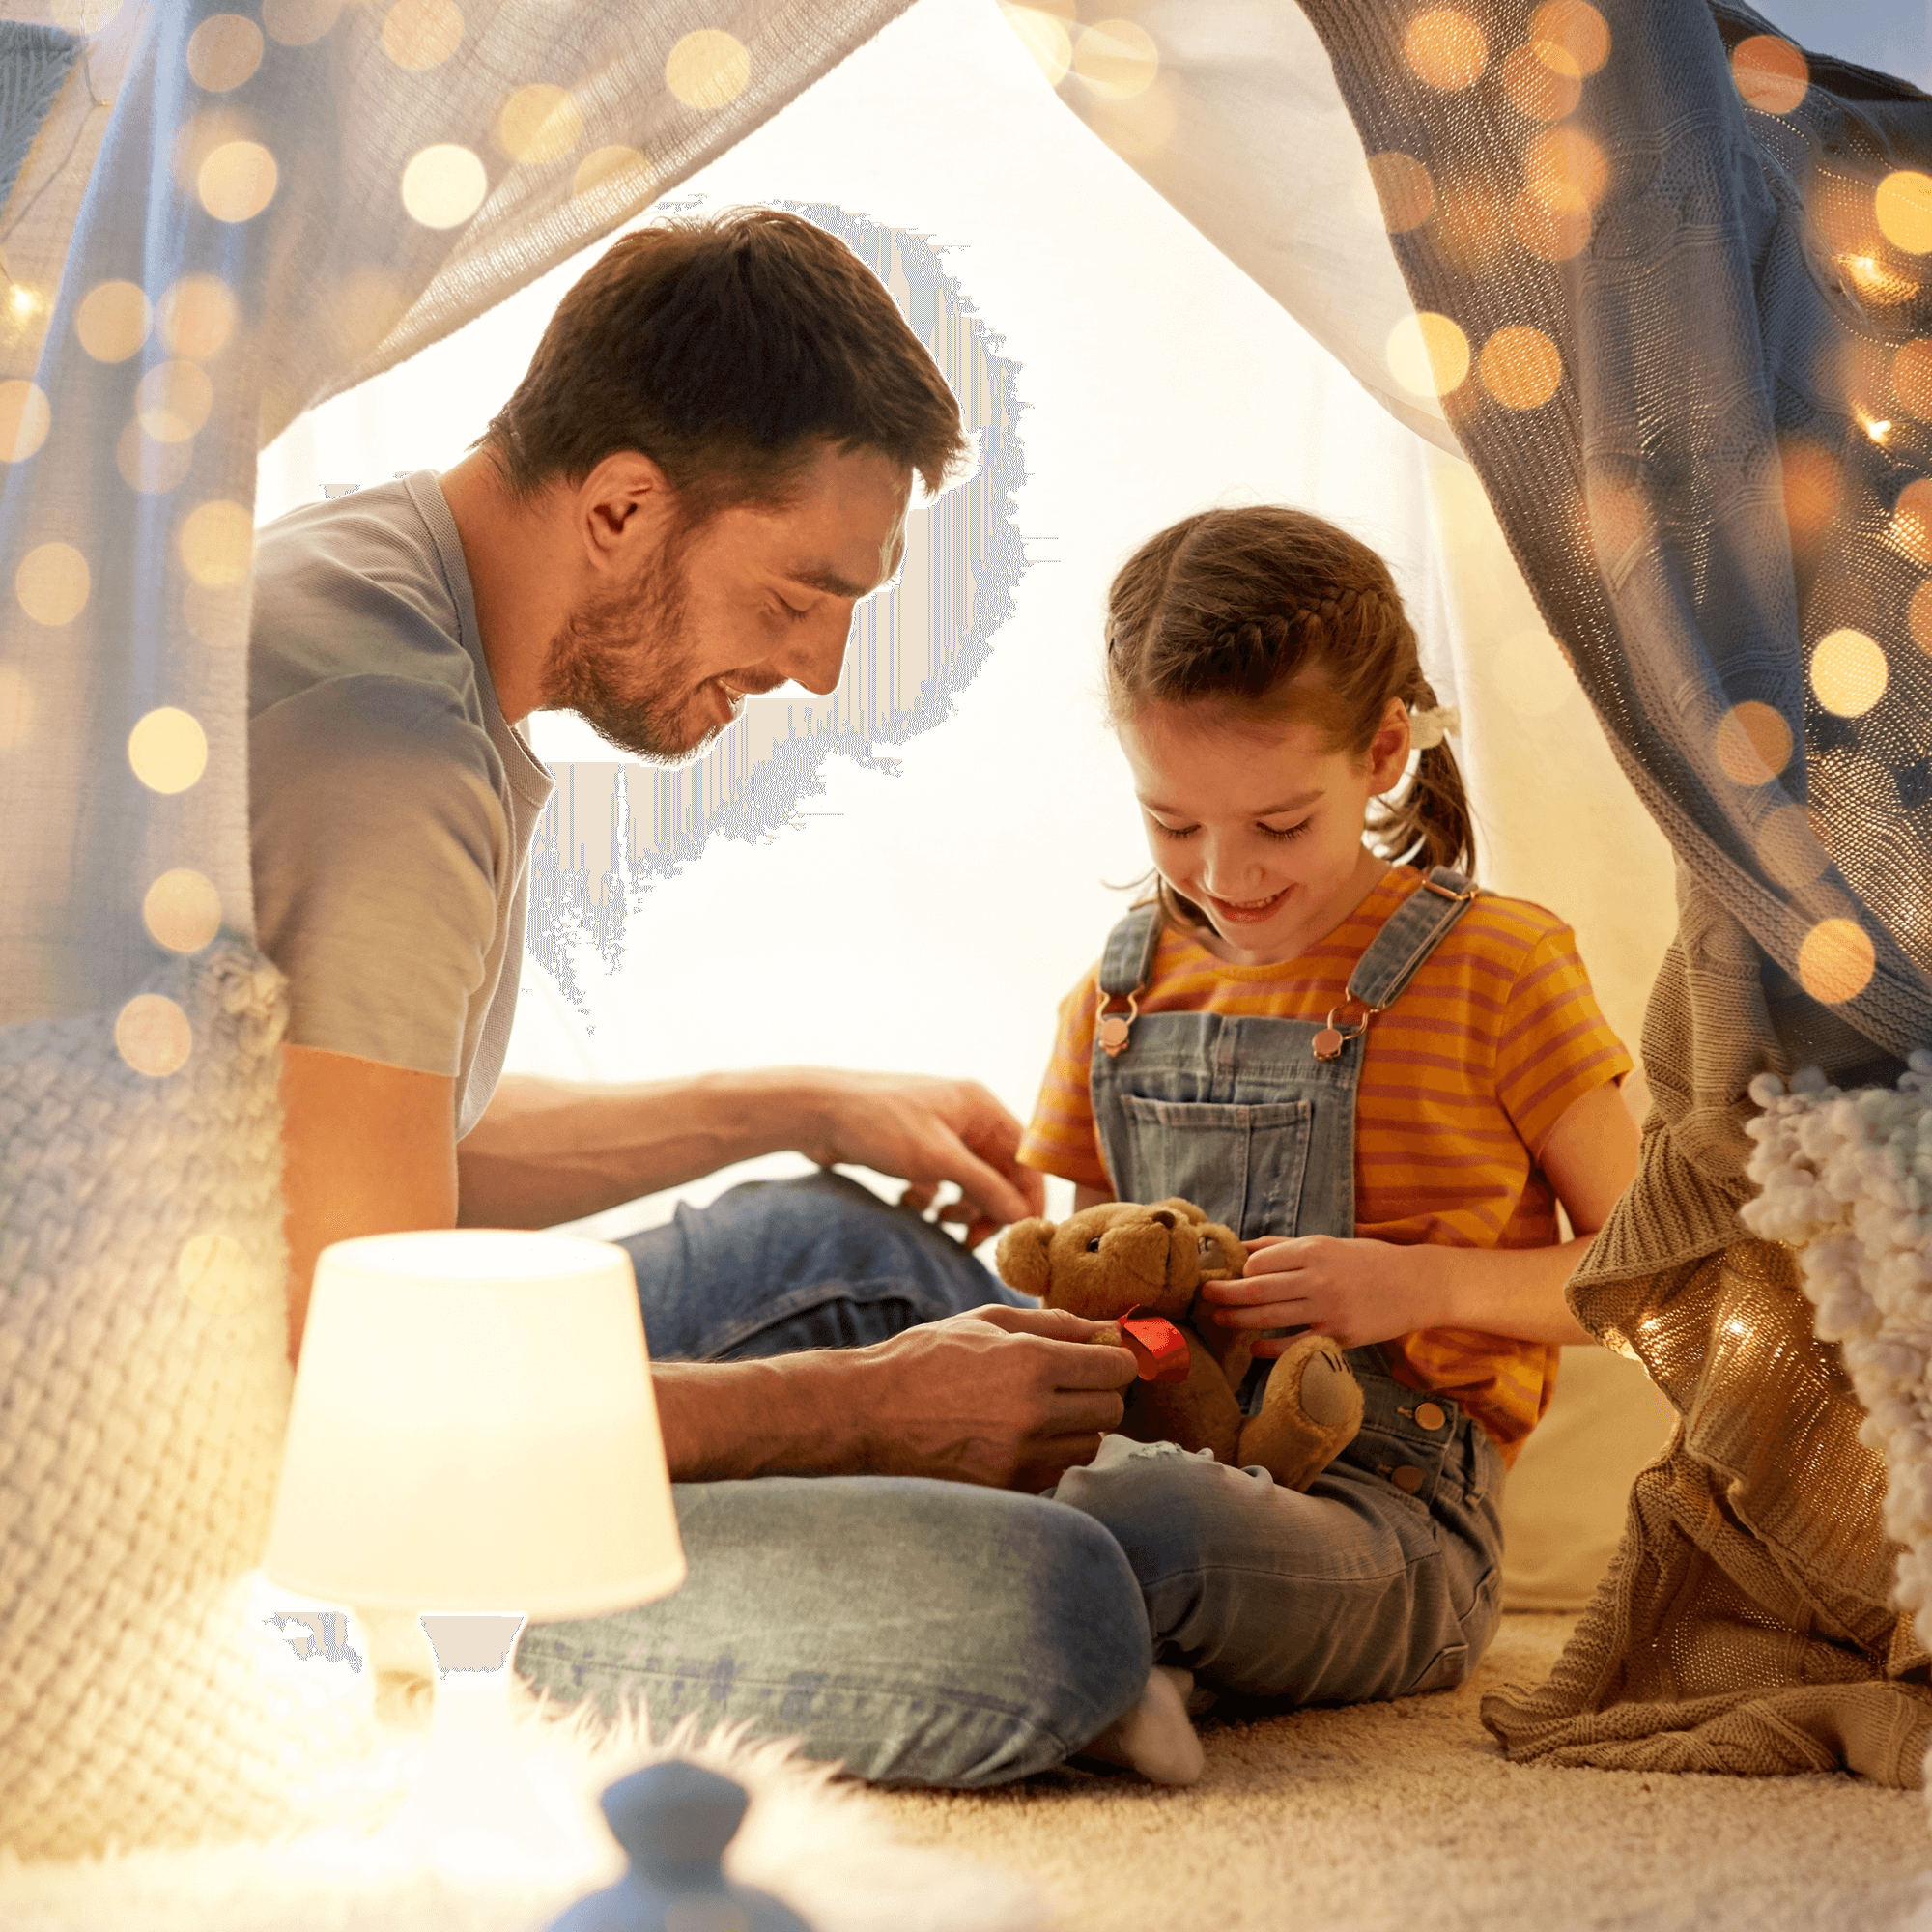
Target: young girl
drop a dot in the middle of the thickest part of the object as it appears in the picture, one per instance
(1384, 1080)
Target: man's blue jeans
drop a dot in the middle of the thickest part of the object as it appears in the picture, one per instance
(927, 1632)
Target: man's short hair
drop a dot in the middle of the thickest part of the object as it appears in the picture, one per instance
(728, 350)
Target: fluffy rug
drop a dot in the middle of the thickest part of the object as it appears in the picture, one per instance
(1391, 1817)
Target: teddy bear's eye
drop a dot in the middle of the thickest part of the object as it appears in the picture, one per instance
(1093, 1246)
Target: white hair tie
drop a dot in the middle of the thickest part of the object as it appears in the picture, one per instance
(1429, 728)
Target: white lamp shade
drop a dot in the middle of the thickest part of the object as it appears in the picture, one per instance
(474, 1428)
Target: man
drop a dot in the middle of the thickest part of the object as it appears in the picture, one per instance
(708, 462)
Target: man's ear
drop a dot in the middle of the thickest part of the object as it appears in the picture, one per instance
(1021, 1256)
(623, 510)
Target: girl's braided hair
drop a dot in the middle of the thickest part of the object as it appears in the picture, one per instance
(1280, 615)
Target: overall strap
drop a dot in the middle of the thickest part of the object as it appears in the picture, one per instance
(1409, 934)
(1126, 967)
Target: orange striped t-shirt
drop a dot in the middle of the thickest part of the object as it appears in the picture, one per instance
(1463, 1079)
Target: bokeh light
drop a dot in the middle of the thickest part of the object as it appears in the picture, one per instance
(153, 1036)
(1472, 226)
(148, 465)
(620, 173)
(53, 583)
(1542, 83)
(17, 707)
(1117, 58)
(218, 542)
(168, 750)
(1789, 850)
(299, 23)
(1405, 192)
(1918, 616)
(1046, 38)
(214, 1272)
(1445, 48)
(538, 123)
(25, 420)
(224, 53)
(418, 35)
(708, 69)
(196, 317)
(1617, 518)
(182, 910)
(1903, 204)
(237, 181)
(1835, 962)
(1521, 368)
(443, 185)
(1565, 165)
(173, 400)
(1849, 673)
(1552, 223)
(1752, 742)
(113, 319)
(1912, 521)
(1811, 482)
(1570, 36)
(1427, 354)
(1912, 378)
(1771, 73)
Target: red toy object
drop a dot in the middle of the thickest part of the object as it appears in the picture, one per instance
(1157, 1345)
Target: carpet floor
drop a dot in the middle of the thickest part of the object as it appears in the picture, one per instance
(1393, 1817)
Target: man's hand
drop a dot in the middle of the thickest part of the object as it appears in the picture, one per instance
(928, 1131)
(1011, 1397)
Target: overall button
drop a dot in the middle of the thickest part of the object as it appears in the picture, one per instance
(1406, 1479)
(1430, 1415)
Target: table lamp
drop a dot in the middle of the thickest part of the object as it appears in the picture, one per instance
(473, 1441)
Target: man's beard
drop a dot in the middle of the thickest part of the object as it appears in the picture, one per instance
(625, 663)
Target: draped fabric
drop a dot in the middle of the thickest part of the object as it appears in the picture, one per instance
(224, 218)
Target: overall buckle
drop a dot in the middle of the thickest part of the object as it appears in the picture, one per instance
(1112, 1027)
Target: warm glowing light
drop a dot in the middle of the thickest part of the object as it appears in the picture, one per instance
(153, 1036)
(148, 465)
(1553, 223)
(218, 542)
(17, 707)
(1788, 848)
(1912, 521)
(1427, 354)
(1752, 744)
(1521, 368)
(621, 173)
(168, 750)
(113, 319)
(1445, 48)
(538, 123)
(1875, 281)
(215, 1273)
(1811, 477)
(182, 911)
(196, 317)
(22, 301)
(1472, 226)
(53, 583)
(25, 420)
(1046, 38)
(418, 35)
(237, 180)
(1835, 962)
(1564, 164)
(1117, 58)
(443, 185)
(1771, 73)
(1877, 430)
(224, 53)
(1912, 378)
(708, 69)
(173, 400)
(217, 614)
(1570, 36)
(1403, 190)
(299, 23)
(1918, 616)
(1849, 673)
(1903, 204)
(1542, 83)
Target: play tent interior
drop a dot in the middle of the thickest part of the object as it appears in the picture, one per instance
(1654, 273)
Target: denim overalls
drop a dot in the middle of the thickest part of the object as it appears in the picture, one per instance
(1254, 1119)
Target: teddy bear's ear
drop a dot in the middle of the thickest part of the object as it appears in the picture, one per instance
(1184, 1211)
(1021, 1256)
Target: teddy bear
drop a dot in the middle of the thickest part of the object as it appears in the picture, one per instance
(1137, 1269)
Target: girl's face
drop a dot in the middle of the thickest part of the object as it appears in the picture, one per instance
(1258, 823)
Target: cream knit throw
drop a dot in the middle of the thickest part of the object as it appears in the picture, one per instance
(144, 1391)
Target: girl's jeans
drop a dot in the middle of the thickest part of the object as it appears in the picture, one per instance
(938, 1633)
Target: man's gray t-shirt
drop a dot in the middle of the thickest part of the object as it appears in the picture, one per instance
(392, 805)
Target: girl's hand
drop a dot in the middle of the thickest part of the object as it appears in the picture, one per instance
(1358, 1292)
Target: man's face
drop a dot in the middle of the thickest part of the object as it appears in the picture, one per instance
(747, 599)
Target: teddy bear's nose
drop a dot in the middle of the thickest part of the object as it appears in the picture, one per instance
(1164, 1216)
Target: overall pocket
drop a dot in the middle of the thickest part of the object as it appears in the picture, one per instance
(1243, 1166)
